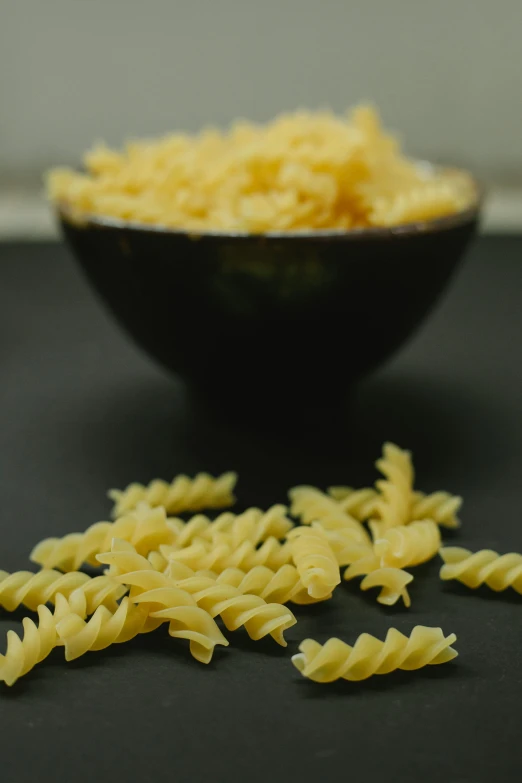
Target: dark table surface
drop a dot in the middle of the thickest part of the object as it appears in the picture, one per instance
(82, 410)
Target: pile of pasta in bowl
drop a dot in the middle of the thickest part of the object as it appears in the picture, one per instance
(206, 578)
(302, 171)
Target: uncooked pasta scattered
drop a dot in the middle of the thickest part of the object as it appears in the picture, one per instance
(206, 577)
(308, 170)
(336, 659)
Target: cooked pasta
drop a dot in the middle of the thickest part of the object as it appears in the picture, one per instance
(307, 170)
(336, 660)
(146, 528)
(38, 640)
(312, 505)
(315, 560)
(31, 590)
(408, 545)
(487, 567)
(182, 494)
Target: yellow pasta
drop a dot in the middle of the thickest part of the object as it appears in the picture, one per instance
(393, 507)
(218, 555)
(253, 525)
(159, 593)
(392, 581)
(103, 628)
(408, 545)
(281, 586)
(337, 660)
(182, 494)
(312, 505)
(442, 507)
(38, 640)
(307, 170)
(315, 560)
(31, 590)
(487, 567)
(146, 528)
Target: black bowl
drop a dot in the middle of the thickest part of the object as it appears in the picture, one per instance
(281, 319)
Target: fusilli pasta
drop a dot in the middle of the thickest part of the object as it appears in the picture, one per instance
(337, 660)
(38, 640)
(315, 560)
(219, 555)
(408, 545)
(31, 590)
(182, 494)
(312, 505)
(442, 507)
(146, 528)
(487, 567)
(393, 507)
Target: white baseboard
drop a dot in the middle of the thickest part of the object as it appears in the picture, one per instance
(25, 215)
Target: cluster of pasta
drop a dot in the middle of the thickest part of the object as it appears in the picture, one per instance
(301, 171)
(204, 577)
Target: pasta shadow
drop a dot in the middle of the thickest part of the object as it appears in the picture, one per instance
(383, 683)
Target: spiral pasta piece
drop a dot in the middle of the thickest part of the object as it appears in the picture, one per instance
(359, 503)
(146, 528)
(312, 505)
(31, 590)
(315, 560)
(103, 628)
(38, 640)
(182, 494)
(160, 594)
(336, 660)
(280, 586)
(219, 555)
(237, 608)
(408, 545)
(393, 507)
(253, 525)
(442, 507)
(486, 566)
(392, 581)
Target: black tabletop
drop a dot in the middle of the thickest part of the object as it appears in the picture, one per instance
(81, 410)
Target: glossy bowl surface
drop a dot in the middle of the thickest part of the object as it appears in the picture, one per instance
(279, 318)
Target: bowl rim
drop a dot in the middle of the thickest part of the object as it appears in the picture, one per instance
(84, 220)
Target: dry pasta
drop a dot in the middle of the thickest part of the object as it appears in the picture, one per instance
(315, 560)
(307, 170)
(393, 508)
(408, 545)
(146, 528)
(312, 505)
(31, 590)
(219, 555)
(487, 567)
(182, 494)
(442, 507)
(38, 640)
(281, 586)
(336, 660)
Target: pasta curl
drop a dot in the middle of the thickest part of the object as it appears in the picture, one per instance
(315, 560)
(182, 494)
(146, 528)
(312, 505)
(442, 507)
(218, 555)
(487, 567)
(393, 507)
(38, 640)
(337, 660)
(408, 545)
(31, 590)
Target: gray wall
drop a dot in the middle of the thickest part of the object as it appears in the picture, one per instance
(448, 73)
